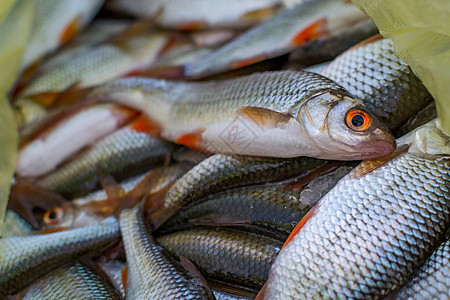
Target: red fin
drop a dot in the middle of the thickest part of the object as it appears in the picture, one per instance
(260, 15)
(249, 61)
(70, 31)
(144, 124)
(124, 277)
(195, 25)
(300, 224)
(262, 293)
(192, 140)
(310, 32)
(45, 99)
(324, 169)
(263, 116)
(26, 197)
(55, 99)
(370, 165)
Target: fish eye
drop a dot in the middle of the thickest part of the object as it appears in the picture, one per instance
(358, 120)
(53, 216)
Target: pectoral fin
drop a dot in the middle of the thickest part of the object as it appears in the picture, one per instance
(263, 116)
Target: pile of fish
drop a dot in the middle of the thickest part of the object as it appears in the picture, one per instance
(176, 149)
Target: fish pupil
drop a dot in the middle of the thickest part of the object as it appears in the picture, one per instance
(358, 121)
(52, 215)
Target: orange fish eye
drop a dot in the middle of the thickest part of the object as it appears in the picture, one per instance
(53, 216)
(358, 120)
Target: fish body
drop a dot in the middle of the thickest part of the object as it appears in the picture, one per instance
(56, 22)
(124, 153)
(381, 80)
(278, 114)
(99, 64)
(113, 270)
(431, 281)
(58, 142)
(15, 225)
(70, 282)
(194, 14)
(225, 254)
(26, 258)
(309, 20)
(152, 273)
(368, 235)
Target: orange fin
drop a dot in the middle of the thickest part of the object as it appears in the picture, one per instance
(249, 61)
(192, 140)
(124, 277)
(194, 25)
(263, 116)
(144, 124)
(70, 31)
(370, 165)
(46, 98)
(260, 15)
(53, 230)
(310, 32)
(300, 224)
(262, 293)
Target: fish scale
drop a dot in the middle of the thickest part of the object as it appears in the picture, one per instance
(369, 233)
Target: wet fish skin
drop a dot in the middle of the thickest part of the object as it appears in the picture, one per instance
(300, 112)
(52, 25)
(70, 282)
(225, 254)
(275, 207)
(123, 153)
(152, 272)
(431, 281)
(15, 225)
(113, 270)
(24, 259)
(381, 80)
(370, 233)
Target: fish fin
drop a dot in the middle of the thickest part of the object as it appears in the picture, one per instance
(263, 116)
(164, 72)
(115, 196)
(300, 224)
(135, 29)
(192, 270)
(26, 77)
(71, 95)
(53, 230)
(310, 32)
(26, 197)
(262, 293)
(192, 140)
(191, 26)
(124, 277)
(232, 289)
(370, 165)
(146, 125)
(70, 30)
(248, 61)
(45, 99)
(368, 41)
(260, 15)
(299, 183)
(217, 220)
(159, 217)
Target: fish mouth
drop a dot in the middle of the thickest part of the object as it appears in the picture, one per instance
(378, 149)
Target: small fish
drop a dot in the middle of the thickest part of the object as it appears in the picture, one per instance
(70, 282)
(114, 271)
(365, 238)
(124, 153)
(237, 257)
(56, 22)
(276, 208)
(431, 281)
(278, 114)
(26, 258)
(152, 273)
(221, 172)
(381, 80)
(197, 14)
(309, 20)
(63, 139)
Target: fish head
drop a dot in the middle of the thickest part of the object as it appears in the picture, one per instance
(342, 128)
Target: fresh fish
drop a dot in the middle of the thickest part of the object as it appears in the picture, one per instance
(276, 208)
(225, 254)
(114, 270)
(58, 142)
(71, 282)
(368, 235)
(422, 117)
(152, 273)
(56, 22)
(221, 172)
(431, 281)
(279, 114)
(309, 20)
(124, 153)
(15, 225)
(98, 65)
(381, 80)
(26, 258)
(196, 14)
